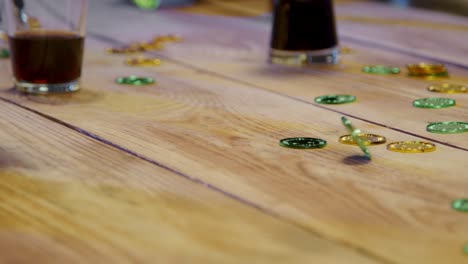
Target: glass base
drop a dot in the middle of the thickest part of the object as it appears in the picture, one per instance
(304, 57)
(35, 88)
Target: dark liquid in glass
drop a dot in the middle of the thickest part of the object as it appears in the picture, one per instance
(303, 25)
(48, 57)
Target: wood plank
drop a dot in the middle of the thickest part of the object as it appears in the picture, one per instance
(415, 31)
(422, 32)
(236, 49)
(229, 8)
(240, 7)
(226, 134)
(66, 198)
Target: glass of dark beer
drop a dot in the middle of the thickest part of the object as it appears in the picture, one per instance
(304, 32)
(46, 41)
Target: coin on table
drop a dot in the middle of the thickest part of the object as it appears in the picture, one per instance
(427, 69)
(355, 132)
(144, 46)
(346, 50)
(460, 205)
(447, 127)
(167, 38)
(335, 99)
(303, 143)
(3, 36)
(448, 88)
(124, 50)
(143, 62)
(367, 139)
(381, 69)
(4, 54)
(434, 102)
(147, 4)
(135, 80)
(411, 147)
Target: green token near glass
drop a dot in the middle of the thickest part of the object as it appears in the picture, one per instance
(135, 80)
(147, 4)
(460, 205)
(434, 102)
(381, 69)
(4, 54)
(335, 99)
(355, 132)
(448, 127)
(303, 143)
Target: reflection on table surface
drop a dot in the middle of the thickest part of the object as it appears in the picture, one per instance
(459, 7)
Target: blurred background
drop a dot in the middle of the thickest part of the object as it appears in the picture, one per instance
(459, 7)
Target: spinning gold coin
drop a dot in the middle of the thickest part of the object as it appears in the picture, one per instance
(367, 139)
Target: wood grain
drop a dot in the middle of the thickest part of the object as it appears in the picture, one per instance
(202, 120)
(407, 30)
(226, 134)
(66, 198)
(236, 49)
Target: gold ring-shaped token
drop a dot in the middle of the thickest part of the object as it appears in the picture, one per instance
(367, 139)
(143, 62)
(427, 69)
(448, 88)
(411, 147)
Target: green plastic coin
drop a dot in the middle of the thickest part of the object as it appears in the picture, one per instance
(465, 249)
(434, 102)
(303, 143)
(381, 69)
(135, 80)
(448, 127)
(4, 54)
(335, 99)
(460, 205)
(355, 132)
(147, 4)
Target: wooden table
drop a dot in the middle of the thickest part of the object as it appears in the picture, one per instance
(189, 170)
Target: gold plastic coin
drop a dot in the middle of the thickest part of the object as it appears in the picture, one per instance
(144, 46)
(34, 23)
(427, 69)
(156, 43)
(167, 38)
(448, 88)
(143, 62)
(411, 147)
(124, 50)
(3, 36)
(367, 139)
(346, 50)
(355, 132)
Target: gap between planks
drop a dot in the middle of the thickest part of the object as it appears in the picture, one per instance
(113, 41)
(214, 188)
(359, 250)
